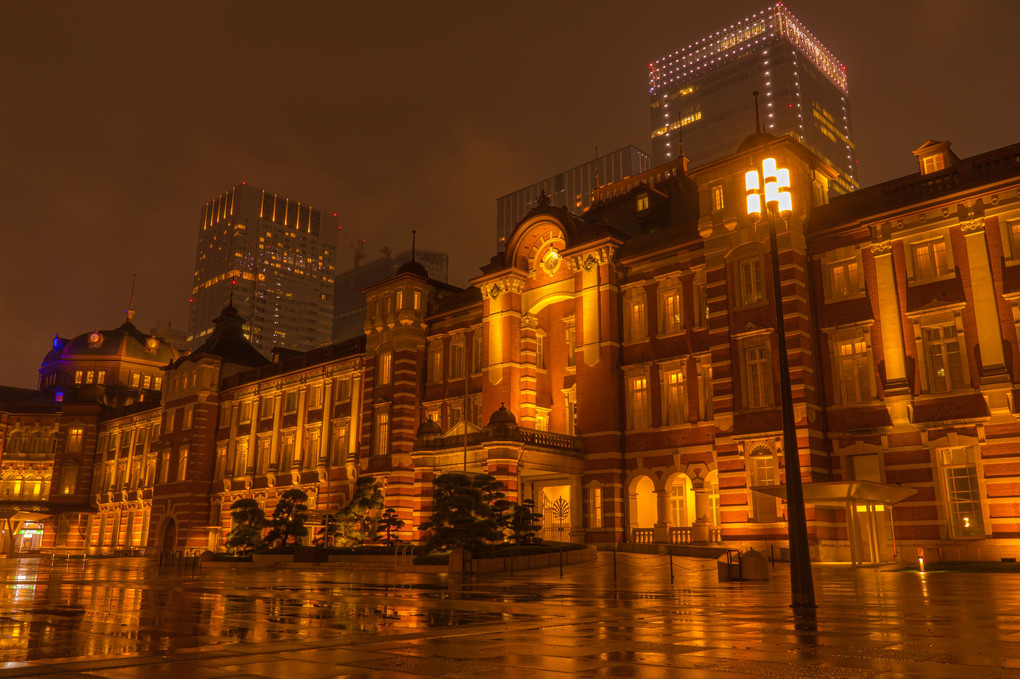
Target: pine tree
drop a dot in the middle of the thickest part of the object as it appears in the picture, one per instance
(248, 520)
(356, 520)
(288, 522)
(387, 524)
(462, 514)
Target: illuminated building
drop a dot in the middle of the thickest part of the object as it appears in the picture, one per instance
(701, 94)
(571, 188)
(620, 369)
(349, 301)
(275, 257)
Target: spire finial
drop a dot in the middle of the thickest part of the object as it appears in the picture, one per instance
(130, 311)
(757, 119)
(414, 233)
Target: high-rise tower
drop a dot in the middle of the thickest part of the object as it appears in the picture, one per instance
(702, 94)
(276, 257)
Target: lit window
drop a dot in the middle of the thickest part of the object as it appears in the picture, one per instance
(933, 163)
(157, 383)
(673, 397)
(189, 413)
(477, 352)
(435, 361)
(90, 377)
(642, 202)
(717, 198)
(146, 381)
(758, 377)
(705, 392)
(417, 300)
(596, 506)
(540, 351)
(290, 402)
(764, 508)
(942, 358)
(315, 396)
(75, 435)
(382, 432)
(1013, 232)
(635, 327)
(749, 275)
(929, 260)
(681, 501)
(77, 376)
(457, 358)
(845, 278)
(852, 369)
(135, 378)
(962, 493)
(638, 413)
(541, 419)
(672, 319)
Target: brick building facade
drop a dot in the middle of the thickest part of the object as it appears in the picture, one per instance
(619, 368)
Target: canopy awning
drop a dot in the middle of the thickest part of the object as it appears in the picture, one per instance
(37, 511)
(838, 493)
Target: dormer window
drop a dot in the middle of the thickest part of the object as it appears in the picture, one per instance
(642, 202)
(934, 156)
(933, 163)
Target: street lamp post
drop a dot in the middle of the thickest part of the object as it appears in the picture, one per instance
(775, 198)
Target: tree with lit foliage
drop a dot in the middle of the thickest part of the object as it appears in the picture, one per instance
(355, 521)
(288, 522)
(390, 522)
(248, 521)
(462, 513)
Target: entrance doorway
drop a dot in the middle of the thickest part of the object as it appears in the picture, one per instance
(169, 535)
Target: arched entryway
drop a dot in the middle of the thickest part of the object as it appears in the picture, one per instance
(169, 535)
(643, 508)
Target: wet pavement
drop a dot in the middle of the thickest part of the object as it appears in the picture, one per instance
(124, 618)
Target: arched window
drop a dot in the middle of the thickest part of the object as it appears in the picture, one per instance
(681, 501)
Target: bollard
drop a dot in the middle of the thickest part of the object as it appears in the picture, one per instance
(670, 568)
(561, 564)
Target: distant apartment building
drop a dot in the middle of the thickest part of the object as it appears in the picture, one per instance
(571, 188)
(349, 301)
(275, 257)
(702, 94)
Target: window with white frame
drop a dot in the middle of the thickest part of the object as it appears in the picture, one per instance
(385, 366)
(962, 492)
(343, 389)
(435, 358)
(853, 370)
(639, 406)
(762, 471)
(266, 407)
(341, 441)
(477, 351)
(635, 326)
(571, 337)
(290, 402)
(595, 495)
(681, 501)
(929, 259)
(844, 278)
(717, 197)
(673, 396)
(314, 397)
(943, 358)
(700, 300)
(757, 377)
(671, 318)
(313, 440)
(705, 392)
(382, 432)
(540, 350)
(749, 280)
(712, 484)
(542, 419)
(457, 363)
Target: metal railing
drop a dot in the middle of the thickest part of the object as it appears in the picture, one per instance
(180, 560)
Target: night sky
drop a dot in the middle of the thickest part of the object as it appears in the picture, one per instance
(119, 120)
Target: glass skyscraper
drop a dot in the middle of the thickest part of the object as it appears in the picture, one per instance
(276, 257)
(702, 94)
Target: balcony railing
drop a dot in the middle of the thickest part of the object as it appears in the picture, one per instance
(644, 536)
(683, 535)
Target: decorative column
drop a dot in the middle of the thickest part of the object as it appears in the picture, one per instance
(702, 514)
(528, 372)
(661, 527)
(897, 390)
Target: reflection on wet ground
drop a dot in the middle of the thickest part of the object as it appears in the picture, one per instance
(124, 618)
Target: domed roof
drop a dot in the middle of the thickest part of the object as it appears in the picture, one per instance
(125, 341)
(227, 341)
(502, 417)
(428, 428)
(756, 141)
(413, 267)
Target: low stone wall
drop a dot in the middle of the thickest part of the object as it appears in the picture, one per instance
(507, 564)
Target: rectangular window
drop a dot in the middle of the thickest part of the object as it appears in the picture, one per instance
(638, 415)
(343, 390)
(189, 414)
(90, 376)
(457, 359)
(942, 358)
(78, 376)
(436, 362)
(266, 407)
(852, 371)
(314, 396)
(101, 377)
(290, 402)
(671, 317)
(845, 279)
(382, 432)
(673, 397)
(311, 452)
(135, 377)
(933, 163)
(540, 351)
(596, 507)
(758, 377)
(400, 300)
(763, 473)
(182, 463)
(700, 304)
(417, 300)
(245, 415)
(571, 344)
(929, 260)
(385, 368)
(963, 495)
(164, 467)
(147, 382)
(1013, 233)
(749, 273)
(642, 202)
(717, 198)
(541, 419)
(477, 352)
(705, 392)
(75, 435)
(69, 478)
(636, 326)
(157, 382)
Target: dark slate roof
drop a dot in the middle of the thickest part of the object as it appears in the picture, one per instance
(414, 267)
(227, 342)
(125, 340)
(968, 173)
(12, 395)
(459, 300)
